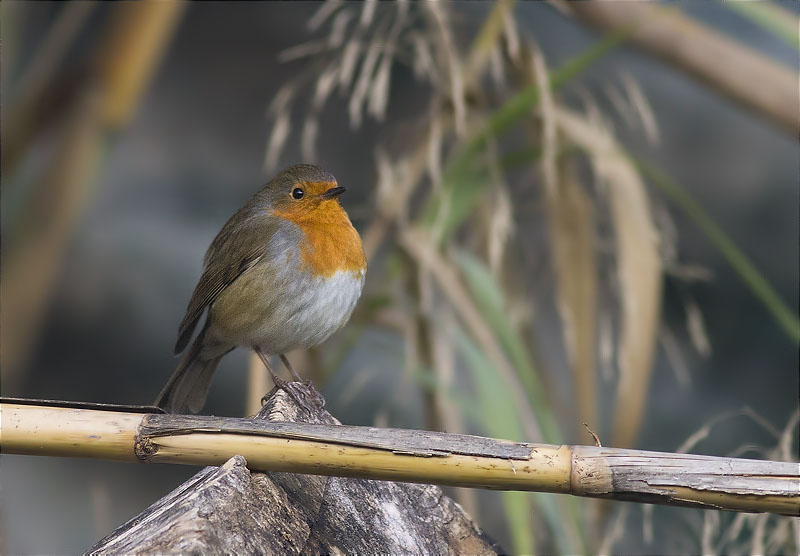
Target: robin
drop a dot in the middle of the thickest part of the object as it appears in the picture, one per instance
(285, 272)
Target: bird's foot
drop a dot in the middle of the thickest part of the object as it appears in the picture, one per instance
(303, 393)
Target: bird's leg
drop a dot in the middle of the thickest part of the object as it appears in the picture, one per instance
(279, 382)
(288, 387)
(302, 391)
(291, 369)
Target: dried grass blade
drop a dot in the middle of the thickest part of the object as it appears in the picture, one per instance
(325, 10)
(138, 37)
(303, 50)
(642, 106)
(451, 63)
(499, 21)
(571, 224)
(363, 83)
(638, 268)
(277, 140)
(420, 247)
(570, 219)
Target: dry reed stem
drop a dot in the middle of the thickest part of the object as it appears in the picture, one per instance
(29, 99)
(135, 41)
(494, 26)
(137, 38)
(53, 48)
(409, 456)
(750, 79)
(30, 262)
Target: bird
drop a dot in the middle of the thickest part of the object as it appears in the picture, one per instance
(285, 272)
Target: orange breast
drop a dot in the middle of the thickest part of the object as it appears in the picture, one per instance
(331, 243)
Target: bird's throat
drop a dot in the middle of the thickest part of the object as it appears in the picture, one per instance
(331, 243)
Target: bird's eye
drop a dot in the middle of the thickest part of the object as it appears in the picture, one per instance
(297, 193)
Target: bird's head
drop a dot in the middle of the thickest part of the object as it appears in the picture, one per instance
(304, 192)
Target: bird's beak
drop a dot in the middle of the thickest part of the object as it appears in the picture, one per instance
(333, 192)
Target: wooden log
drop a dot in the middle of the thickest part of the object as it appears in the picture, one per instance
(231, 510)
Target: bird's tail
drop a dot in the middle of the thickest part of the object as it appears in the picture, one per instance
(188, 386)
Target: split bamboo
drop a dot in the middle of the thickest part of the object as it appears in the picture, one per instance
(405, 455)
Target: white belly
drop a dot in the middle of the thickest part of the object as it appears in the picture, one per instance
(318, 307)
(304, 314)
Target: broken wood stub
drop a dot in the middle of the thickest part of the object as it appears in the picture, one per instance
(230, 509)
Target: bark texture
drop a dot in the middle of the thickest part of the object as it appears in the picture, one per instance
(230, 509)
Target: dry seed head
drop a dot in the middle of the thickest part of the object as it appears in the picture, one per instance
(367, 13)
(501, 227)
(385, 183)
(788, 437)
(282, 99)
(668, 235)
(697, 328)
(349, 57)
(339, 28)
(449, 61)
(303, 50)
(363, 83)
(359, 52)
(615, 532)
(379, 95)
(642, 106)
(501, 220)
(324, 87)
(710, 532)
(547, 111)
(677, 361)
(510, 34)
(277, 140)
(435, 150)
(325, 10)
(620, 104)
(497, 68)
(423, 64)
(308, 137)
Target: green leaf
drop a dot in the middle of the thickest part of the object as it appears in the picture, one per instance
(500, 420)
(761, 288)
(489, 297)
(775, 19)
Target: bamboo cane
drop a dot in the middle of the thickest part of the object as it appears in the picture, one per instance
(405, 455)
(754, 81)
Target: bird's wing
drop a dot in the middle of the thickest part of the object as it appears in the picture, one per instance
(240, 244)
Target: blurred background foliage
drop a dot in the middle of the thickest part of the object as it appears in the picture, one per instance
(573, 213)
